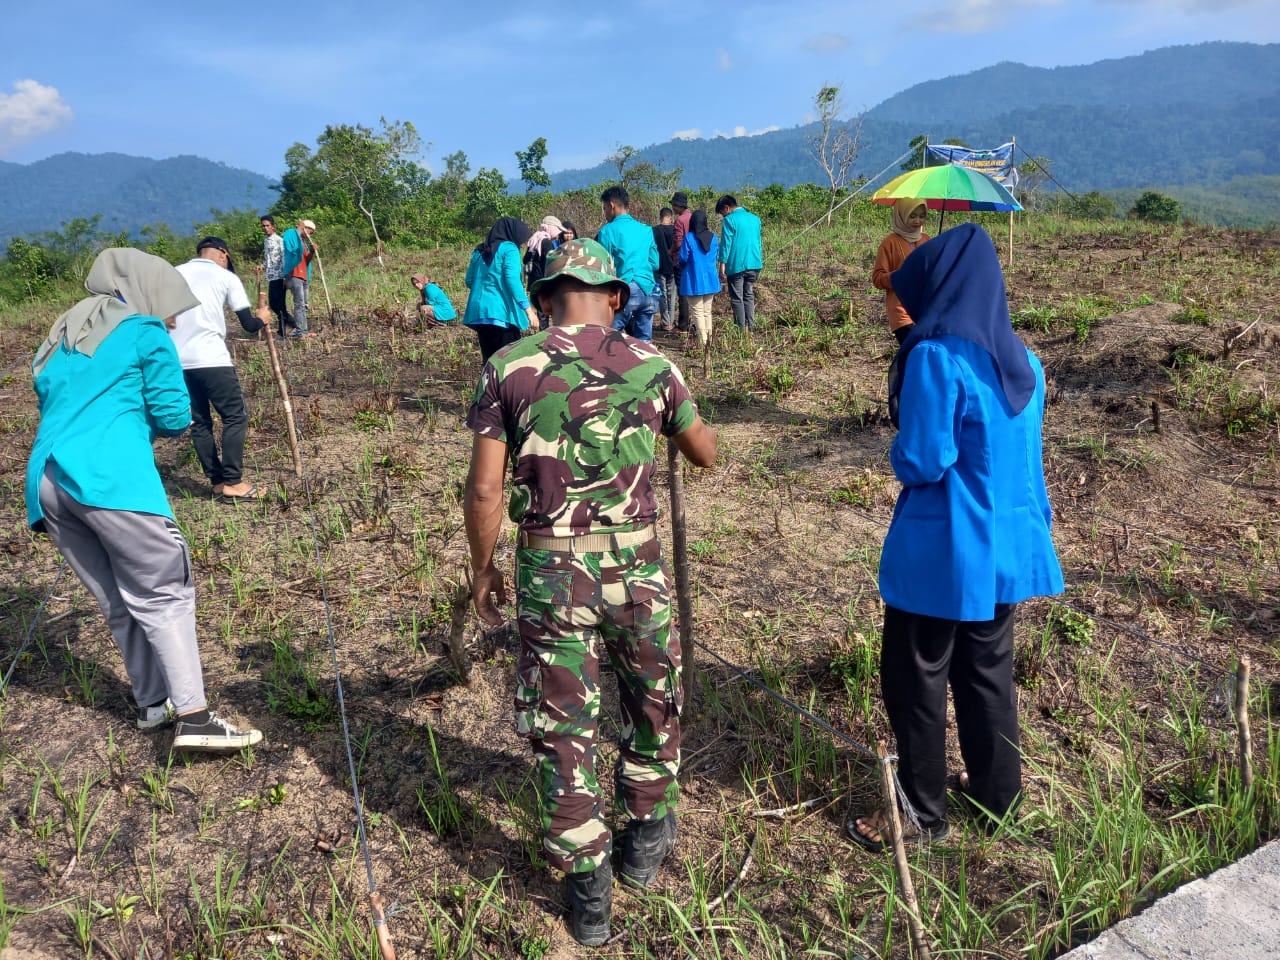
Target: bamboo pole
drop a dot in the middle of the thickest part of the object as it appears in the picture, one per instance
(1245, 738)
(281, 384)
(900, 855)
(680, 552)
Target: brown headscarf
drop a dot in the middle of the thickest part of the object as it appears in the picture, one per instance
(123, 282)
(901, 210)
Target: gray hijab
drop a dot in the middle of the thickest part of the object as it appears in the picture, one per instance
(123, 282)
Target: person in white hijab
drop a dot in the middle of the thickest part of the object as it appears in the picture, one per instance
(107, 380)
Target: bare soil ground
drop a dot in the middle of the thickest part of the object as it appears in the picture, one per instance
(1160, 438)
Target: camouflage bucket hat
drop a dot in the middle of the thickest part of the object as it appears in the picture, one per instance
(583, 260)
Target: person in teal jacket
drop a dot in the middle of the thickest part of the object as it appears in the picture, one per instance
(635, 253)
(970, 535)
(108, 381)
(436, 308)
(741, 258)
(498, 308)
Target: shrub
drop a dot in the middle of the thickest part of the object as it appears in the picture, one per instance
(1156, 208)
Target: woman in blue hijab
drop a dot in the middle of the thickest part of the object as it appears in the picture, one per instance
(970, 532)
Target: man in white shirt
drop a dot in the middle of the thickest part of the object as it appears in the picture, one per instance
(272, 267)
(200, 336)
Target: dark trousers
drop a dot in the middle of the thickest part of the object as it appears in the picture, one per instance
(919, 655)
(493, 338)
(742, 298)
(218, 387)
(275, 299)
(901, 333)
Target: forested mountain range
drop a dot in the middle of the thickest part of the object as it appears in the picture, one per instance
(129, 192)
(1189, 115)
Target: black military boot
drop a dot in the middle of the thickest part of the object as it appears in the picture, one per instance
(646, 846)
(590, 899)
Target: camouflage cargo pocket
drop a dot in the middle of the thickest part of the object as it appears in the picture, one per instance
(530, 717)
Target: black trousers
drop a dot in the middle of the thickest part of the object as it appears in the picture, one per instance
(218, 387)
(918, 657)
(682, 309)
(493, 338)
(275, 299)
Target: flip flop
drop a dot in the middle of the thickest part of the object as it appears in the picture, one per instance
(253, 494)
(877, 823)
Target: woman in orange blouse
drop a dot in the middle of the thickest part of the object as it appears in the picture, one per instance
(909, 215)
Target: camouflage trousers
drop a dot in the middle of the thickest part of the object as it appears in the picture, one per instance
(568, 605)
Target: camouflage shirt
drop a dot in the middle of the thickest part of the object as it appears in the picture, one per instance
(579, 409)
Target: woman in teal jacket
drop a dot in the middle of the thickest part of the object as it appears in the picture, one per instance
(970, 535)
(498, 308)
(108, 381)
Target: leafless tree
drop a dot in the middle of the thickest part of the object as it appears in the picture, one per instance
(835, 145)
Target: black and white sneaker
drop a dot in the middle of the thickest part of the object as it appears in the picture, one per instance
(156, 716)
(215, 735)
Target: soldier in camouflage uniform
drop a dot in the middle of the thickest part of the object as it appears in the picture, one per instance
(577, 409)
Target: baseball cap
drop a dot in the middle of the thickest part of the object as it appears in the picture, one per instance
(680, 199)
(218, 244)
(584, 260)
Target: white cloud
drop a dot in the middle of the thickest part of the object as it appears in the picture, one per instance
(741, 131)
(827, 43)
(725, 62)
(693, 133)
(32, 110)
(974, 16)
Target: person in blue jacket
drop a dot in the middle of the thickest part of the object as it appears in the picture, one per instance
(436, 309)
(970, 535)
(108, 380)
(699, 275)
(498, 308)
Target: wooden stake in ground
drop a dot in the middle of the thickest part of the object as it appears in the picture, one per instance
(900, 855)
(1244, 738)
(281, 385)
(680, 553)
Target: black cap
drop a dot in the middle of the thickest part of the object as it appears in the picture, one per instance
(680, 199)
(218, 244)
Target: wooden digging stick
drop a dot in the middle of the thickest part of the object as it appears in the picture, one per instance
(900, 855)
(680, 550)
(283, 387)
(323, 282)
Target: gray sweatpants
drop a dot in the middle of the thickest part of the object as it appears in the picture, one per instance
(298, 287)
(138, 568)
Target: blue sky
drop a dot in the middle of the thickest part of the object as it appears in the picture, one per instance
(240, 82)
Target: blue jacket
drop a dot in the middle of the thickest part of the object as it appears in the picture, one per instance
(438, 301)
(293, 252)
(971, 528)
(634, 252)
(740, 248)
(99, 415)
(699, 275)
(497, 290)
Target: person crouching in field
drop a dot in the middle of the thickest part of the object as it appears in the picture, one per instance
(436, 309)
(970, 535)
(577, 409)
(906, 233)
(108, 380)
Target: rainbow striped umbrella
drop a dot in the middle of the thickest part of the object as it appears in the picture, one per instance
(948, 187)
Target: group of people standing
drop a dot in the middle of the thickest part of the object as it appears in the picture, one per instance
(672, 269)
(575, 410)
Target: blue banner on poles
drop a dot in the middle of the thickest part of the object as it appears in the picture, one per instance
(997, 163)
